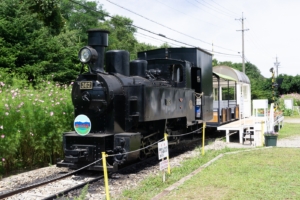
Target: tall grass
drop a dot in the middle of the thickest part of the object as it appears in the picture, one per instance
(33, 117)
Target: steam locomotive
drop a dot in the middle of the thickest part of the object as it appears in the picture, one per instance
(131, 105)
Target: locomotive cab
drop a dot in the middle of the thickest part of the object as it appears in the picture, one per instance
(197, 75)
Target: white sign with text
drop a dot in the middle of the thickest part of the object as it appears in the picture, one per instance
(163, 165)
(163, 150)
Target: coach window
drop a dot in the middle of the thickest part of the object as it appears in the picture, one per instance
(177, 73)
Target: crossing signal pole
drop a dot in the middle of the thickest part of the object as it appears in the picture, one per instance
(274, 89)
(276, 65)
(243, 30)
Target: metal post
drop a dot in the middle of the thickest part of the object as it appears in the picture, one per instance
(203, 137)
(243, 52)
(276, 65)
(169, 168)
(105, 175)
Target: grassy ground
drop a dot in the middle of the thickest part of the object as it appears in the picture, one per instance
(290, 129)
(260, 174)
(153, 185)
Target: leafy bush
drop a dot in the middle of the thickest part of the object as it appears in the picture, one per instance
(32, 120)
(288, 112)
(294, 96)
(296, 100)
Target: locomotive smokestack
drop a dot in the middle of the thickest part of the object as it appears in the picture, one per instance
(98, 39)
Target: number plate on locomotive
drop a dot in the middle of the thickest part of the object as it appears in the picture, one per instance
(85, 85)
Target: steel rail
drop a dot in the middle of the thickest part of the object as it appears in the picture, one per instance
(66, 191)
(19, 190)
(23, 189)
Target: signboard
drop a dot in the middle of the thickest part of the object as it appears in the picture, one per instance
(82, 125)
(163, 150)
(288, 103)
(163, 165)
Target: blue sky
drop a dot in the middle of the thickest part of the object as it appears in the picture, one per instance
(274, 28)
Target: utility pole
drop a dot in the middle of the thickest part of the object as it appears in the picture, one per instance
(276, 65)
(243, 52)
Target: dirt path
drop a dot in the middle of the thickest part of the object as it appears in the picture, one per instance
(293, 141)
(291, 120)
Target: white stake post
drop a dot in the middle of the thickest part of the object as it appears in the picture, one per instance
(163, 153)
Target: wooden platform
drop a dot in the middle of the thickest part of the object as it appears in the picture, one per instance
(253, 123)
(240, 126)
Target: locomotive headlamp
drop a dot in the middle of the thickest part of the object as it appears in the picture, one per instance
(87, 54)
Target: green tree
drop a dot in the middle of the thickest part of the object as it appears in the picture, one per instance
(165, 45)
(215, 62)
(295, 88)
(82, 16)
(17, 27)
(121, 34)
(28, 47)
(287, 83)
(48, 11)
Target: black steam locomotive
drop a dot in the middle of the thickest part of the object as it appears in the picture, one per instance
(132, 104)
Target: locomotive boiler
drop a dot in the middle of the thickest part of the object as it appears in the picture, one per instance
(127, 107)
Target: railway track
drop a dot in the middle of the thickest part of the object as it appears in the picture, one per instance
(33, 187)
(62, 185)
(50, 190)
(59, 186)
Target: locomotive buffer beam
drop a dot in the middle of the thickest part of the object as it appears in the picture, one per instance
(79, 153)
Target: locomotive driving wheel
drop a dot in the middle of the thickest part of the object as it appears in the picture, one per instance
(147, 148)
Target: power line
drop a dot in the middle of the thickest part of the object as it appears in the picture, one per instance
(253, 42)
(213, 52)
(214, 15)
(259, 42)
(158, 34)
(247, 60)
(193, 17)
(213, 8)
(223, 7)
(155, 22)
(221, 55)
(148, 36)
(166, 26)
